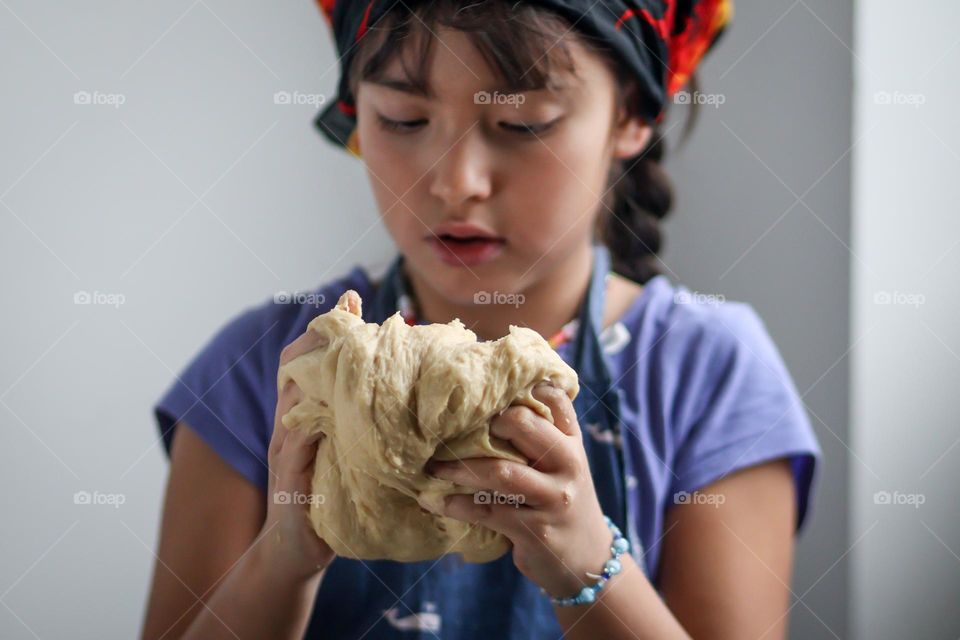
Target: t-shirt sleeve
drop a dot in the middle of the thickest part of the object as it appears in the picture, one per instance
(744, 409)
(227, 394)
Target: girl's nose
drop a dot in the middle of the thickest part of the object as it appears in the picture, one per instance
(461, 172)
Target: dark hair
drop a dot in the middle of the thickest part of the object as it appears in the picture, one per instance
(524, 44)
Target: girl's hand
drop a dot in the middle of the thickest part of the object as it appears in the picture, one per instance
(558, 532)
(290, 546)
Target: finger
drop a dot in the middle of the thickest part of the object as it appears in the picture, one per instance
(307, 341)
(561, 407)
(299, 452)
(510, 520)
(510, 482)
(288, 397)
(544, 445)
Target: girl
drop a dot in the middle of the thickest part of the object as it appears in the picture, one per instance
(513, 152)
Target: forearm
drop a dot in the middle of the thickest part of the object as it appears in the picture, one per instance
(627, 607)
(255, 602)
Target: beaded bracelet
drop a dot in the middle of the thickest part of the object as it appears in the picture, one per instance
(611, 567)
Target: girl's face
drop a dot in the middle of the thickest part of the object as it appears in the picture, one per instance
(526, 169)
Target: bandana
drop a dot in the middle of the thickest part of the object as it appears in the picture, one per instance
(660, 41)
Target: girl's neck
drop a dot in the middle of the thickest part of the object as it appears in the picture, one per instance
(547, 305)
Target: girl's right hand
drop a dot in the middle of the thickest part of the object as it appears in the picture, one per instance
(290, 546)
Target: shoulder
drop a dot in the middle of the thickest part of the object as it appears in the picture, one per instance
(274, 322)
(687, 349)
(228, 392)
(670, 322)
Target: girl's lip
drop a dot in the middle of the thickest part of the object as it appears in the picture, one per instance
(463, 230)
(466, 253)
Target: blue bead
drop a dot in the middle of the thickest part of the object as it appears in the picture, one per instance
(612, 566)
(620, 545)
(606, 575)
(587, 595)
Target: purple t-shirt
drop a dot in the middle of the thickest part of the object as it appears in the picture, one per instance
(705, 391)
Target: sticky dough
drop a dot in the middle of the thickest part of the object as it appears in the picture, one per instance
(389, 398)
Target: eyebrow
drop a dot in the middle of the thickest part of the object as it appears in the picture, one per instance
(405, 86)
(423, 90)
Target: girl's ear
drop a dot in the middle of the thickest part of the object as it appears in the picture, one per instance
(631, 137)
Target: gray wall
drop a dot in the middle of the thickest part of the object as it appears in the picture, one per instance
(906, 370)
(199, 196)
(196, 197)
(763, 215)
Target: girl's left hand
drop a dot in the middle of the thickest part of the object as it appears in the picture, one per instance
(547, 509)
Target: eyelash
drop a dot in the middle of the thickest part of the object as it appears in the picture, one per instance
(401, 126)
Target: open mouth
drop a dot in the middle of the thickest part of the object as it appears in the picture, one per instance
(468, 241)
(466, 250)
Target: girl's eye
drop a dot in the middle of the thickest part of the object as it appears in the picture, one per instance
(528, 129)
(408, 126)
(400, 126)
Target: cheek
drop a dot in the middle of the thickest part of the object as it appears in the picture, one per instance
(558, 187)
(391, 171)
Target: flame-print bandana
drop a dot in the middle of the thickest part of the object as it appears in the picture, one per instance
(660, 41)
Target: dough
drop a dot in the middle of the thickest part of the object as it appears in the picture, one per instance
(389, 398)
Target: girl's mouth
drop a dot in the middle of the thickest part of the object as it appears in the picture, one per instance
(466, 251)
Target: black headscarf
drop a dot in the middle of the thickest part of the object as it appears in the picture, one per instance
(660, 41)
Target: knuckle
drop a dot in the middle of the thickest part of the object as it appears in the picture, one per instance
(541, 531)
(568, 495)
(577, 464)
(503, 472)
(515, 415)
(548, 391)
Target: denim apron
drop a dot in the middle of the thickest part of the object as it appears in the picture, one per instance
(448, 598)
